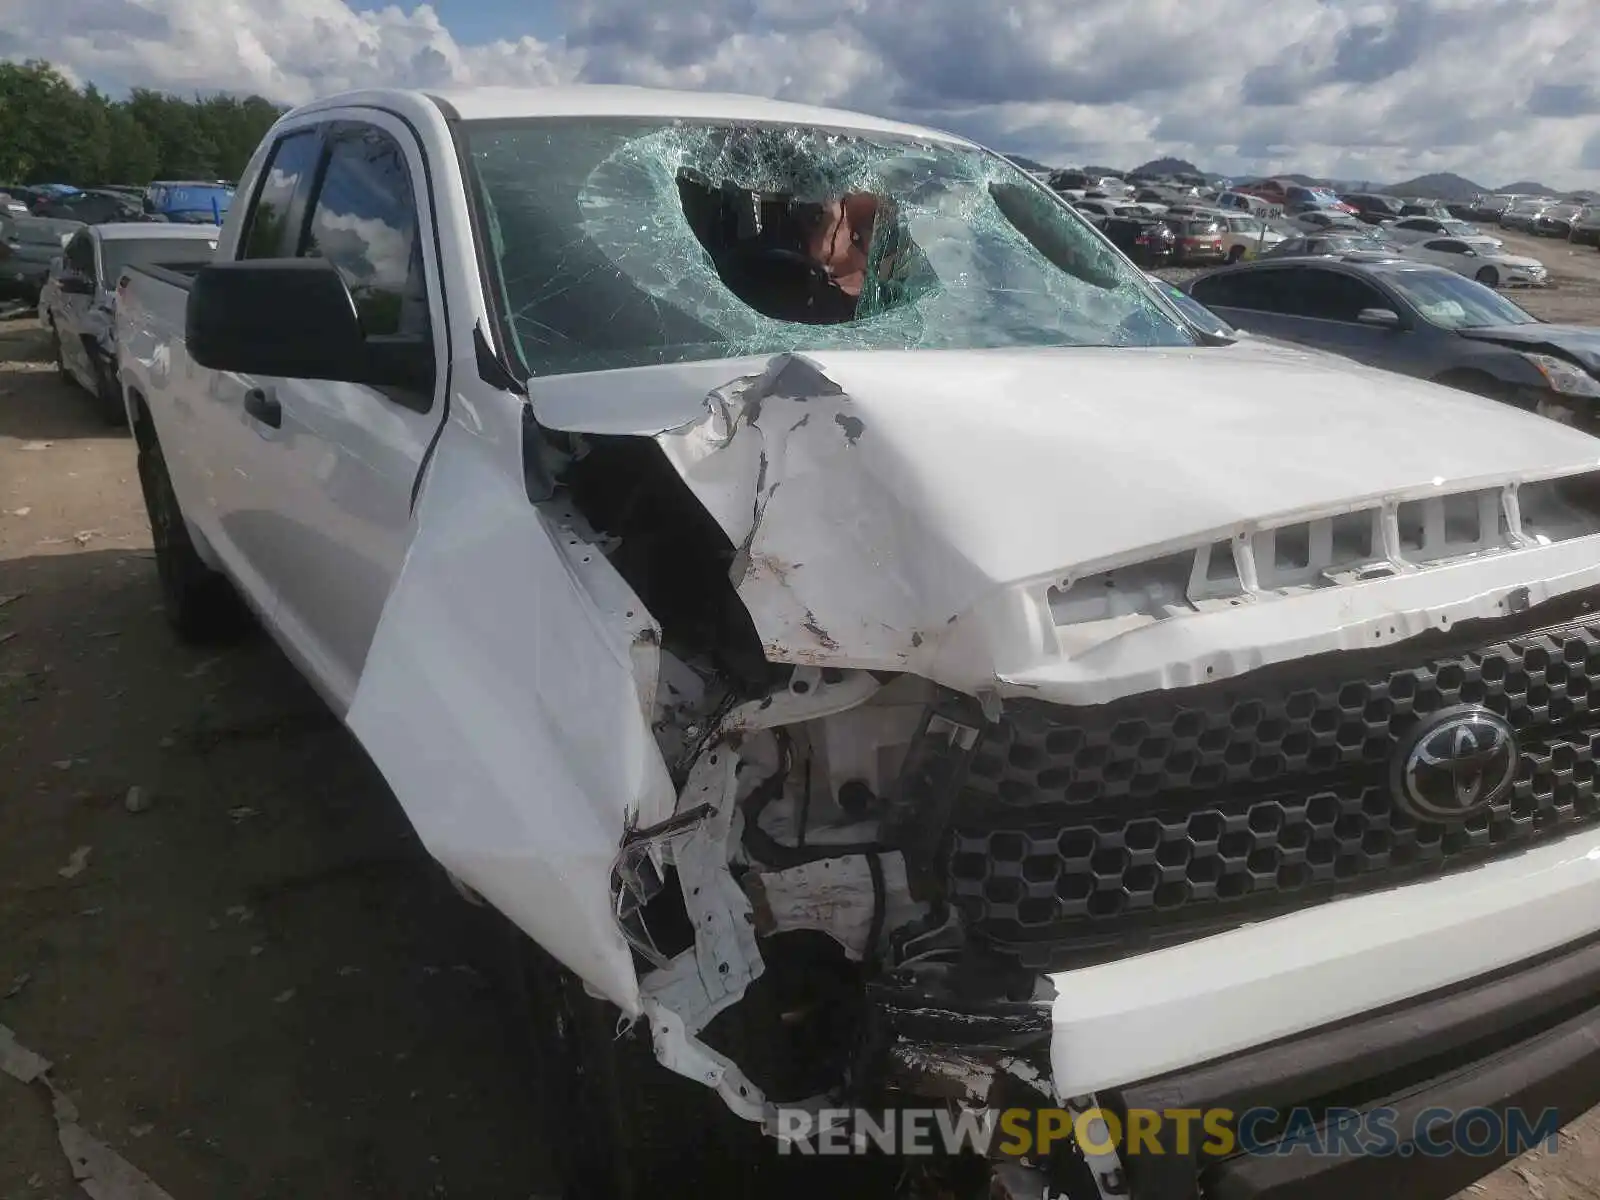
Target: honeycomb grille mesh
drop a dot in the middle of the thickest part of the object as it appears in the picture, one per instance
(1074, 825)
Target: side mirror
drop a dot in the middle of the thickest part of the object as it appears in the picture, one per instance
(1384, 318)
(75, 284)
(295, 318)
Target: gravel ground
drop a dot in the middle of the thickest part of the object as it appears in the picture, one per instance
(213, 917)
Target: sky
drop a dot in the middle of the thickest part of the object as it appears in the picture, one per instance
(1383, 90)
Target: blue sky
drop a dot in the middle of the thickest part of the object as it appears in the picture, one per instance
(1497, 90)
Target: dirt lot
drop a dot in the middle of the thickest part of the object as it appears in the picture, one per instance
(250, 980)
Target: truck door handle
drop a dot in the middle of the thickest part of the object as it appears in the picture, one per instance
(263, 407)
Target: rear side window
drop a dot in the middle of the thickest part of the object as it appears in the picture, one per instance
(267, 234)
(1254, 291)
(1335, 296)
(364, 222)
(80, 255)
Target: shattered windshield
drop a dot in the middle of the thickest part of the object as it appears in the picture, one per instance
(623, 243)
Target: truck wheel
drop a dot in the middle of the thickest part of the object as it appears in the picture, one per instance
(200, 604)
(619, 1125)
(108, 393)
(62, 373)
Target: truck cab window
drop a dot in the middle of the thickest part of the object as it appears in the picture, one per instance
(364, 222)
(293, 159)
(80, 256)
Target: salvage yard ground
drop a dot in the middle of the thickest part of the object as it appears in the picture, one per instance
(214, 920)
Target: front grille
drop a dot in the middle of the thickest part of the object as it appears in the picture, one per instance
(1169, 815)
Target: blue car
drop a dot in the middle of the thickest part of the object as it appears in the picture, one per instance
(198, 203)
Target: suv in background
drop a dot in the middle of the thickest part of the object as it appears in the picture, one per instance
(1586, 227)
(1373, 208)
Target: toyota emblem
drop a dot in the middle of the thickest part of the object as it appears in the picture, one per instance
(1455, 764)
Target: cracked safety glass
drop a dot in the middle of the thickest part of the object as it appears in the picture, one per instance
(624, 243)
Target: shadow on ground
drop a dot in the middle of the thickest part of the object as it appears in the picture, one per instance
(260, 985)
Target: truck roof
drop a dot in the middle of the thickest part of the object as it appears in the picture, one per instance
(605, 100)
(127, 231)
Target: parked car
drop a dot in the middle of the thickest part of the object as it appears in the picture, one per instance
(78, 302)
(1372, 207)
(1320, 220)
(1199, 238)
(823, 678)
(1246, 237)
(1481, 260)
(1338, 242)
(1555, 221)
(1423, 208)
(1586, 227)
(1098, 210)
(1300, 198)
(1070, 182)
(1148, 241)
(1232, 201)
(1419, 229)
(11, 206)
(1523, 213)
(88, 207)
(1419, 320)
(1197, 314)
(195, 202)
(27, 246)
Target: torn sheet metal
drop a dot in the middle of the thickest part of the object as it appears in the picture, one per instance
(833, 896)
(506, 700)
(914, 511)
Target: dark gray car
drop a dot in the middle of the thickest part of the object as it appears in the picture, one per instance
(1417, 320)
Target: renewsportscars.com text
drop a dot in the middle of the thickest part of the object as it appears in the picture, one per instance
(1209, 1133)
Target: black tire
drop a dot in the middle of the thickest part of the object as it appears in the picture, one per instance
(1488, 276)
(108, 394)
(1236, 254)
(62, 372)
(200, 603)
(620, 1126)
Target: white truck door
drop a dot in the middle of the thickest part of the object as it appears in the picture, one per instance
(339, 471)
(233, 446)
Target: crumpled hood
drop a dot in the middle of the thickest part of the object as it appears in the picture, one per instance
(1581, 343)
(879, 496)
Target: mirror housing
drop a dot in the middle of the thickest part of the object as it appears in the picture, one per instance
(295, 318)
(73, 284)
(1385, 318)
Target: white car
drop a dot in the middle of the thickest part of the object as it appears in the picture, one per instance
(862, 646)
(1481, 260)
(1247, 237)
(1421, 229)
(78, 302)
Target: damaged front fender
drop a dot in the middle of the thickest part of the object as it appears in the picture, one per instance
(505, 699)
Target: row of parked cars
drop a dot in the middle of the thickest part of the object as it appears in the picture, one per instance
(37, 221)
(1158, 227)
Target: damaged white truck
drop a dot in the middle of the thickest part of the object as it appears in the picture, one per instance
(880, 654)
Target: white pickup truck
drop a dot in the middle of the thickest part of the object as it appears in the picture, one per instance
(875, 651)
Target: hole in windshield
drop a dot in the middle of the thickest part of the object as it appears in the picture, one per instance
(620, 243)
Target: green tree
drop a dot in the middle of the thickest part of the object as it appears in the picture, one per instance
(53, 132)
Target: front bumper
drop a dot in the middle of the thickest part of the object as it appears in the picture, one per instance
(1527, 1040)
(1170, 1009)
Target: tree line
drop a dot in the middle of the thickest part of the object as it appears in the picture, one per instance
(53, 132)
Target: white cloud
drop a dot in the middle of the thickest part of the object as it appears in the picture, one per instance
(1494, 89)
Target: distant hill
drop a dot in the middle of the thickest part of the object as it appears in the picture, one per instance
(1159, 167)
(1445, 186)
(1529, 188)
(1026, 163)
